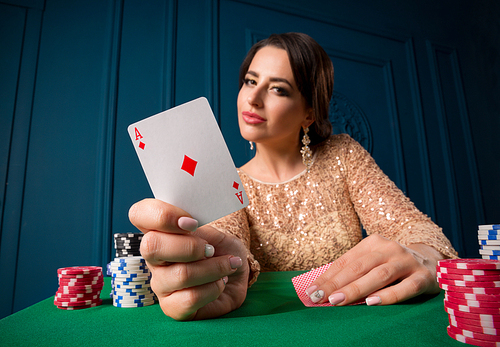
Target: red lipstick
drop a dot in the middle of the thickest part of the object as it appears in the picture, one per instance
(252, 118)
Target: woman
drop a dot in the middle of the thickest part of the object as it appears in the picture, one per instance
(306, 204)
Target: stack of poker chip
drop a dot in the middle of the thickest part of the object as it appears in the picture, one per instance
(128, 244)
(472, 299)
(131, 282)
(489, 240)
(79, 287)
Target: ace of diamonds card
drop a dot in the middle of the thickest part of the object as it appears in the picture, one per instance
(187, 163)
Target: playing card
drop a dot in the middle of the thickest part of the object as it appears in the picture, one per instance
(302, 282)
(187, 163)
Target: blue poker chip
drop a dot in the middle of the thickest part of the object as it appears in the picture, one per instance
(127, 272)
(491, 257)
(134, 305)
(489, 227)
(488, 232)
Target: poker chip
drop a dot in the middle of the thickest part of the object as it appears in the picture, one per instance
(131, 282)
(79, 287)
(474, 335)
(471, 341)
(472, 327)
(79, 270)
(489, 227)
(472, 303)
(473, 309)
(470, 264)
(445, 270)
(127, 244)
(472, 297)
(469, 278)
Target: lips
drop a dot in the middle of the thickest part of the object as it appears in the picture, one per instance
(252, 118)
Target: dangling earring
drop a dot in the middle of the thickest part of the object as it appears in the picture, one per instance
(306, 151)
(251, 145)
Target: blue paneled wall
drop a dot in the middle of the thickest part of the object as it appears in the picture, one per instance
(424, 75)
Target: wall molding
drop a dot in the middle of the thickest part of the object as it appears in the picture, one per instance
(103, 205)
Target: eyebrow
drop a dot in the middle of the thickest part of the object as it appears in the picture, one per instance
(272, 79)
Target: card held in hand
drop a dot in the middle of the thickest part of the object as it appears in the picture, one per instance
(187, 162)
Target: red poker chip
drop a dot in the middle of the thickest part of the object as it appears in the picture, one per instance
(470, 264)
(458, 283)
(487, 320)
(59, 302)
(474, 297)
(77, 297)
(472, 290)
(472, 303)
(473, 335)
(79, 270)
(471, 341)
(93, 277)
(466, 325)
(472, 309)
(78, 284)
(447, 270)
(469, 278)
(82, 285)
(79, 291)
(80, 277)
(69, 308)
(474, 322)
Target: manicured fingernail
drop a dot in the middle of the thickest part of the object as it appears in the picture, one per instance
(209, 251)
(187, 223)
(311, 290)
(317, 296)
(225, 279)
(235, 262)
(373, 300)
(336, 298)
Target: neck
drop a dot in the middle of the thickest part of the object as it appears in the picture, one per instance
(275, 164)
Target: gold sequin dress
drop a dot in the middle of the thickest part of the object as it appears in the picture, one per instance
(314, 218)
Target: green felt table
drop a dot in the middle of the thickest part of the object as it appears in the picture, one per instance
(272, 315)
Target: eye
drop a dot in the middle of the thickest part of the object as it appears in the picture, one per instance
(249, 81)
(280, 91)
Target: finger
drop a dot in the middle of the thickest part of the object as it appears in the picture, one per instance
(330, 282)
(168, 279)
(156, 215)
(408, 288)
(183, 304)
(379, 277)
(354, 254)
(159, 248)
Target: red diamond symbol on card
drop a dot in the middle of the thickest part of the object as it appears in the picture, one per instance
(189, 165)
(142, 145)
(235, 185)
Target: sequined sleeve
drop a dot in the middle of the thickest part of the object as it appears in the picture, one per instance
(383, 208)
(237, 225)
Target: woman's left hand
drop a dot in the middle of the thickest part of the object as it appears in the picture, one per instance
(380, 270)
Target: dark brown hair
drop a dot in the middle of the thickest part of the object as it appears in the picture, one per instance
(313, 74)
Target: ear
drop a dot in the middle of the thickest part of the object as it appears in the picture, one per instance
(309, 120)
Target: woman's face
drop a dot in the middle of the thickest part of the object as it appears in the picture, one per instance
(271, 109)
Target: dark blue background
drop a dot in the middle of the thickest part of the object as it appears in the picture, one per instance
(75, 74)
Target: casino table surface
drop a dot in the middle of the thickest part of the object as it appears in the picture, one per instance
(272, 315)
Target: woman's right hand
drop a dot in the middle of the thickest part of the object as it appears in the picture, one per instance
(197, 273)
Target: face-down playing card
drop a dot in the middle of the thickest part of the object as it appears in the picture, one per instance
(187, 163)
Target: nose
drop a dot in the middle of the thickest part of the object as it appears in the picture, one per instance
(254, 97)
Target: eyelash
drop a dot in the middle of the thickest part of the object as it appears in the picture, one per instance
(279, 90)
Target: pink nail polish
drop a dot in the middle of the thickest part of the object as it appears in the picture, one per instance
(373, 300)
(187, 223)
(317, 296)
(311, 290)
(336, 298)
(235, 262)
